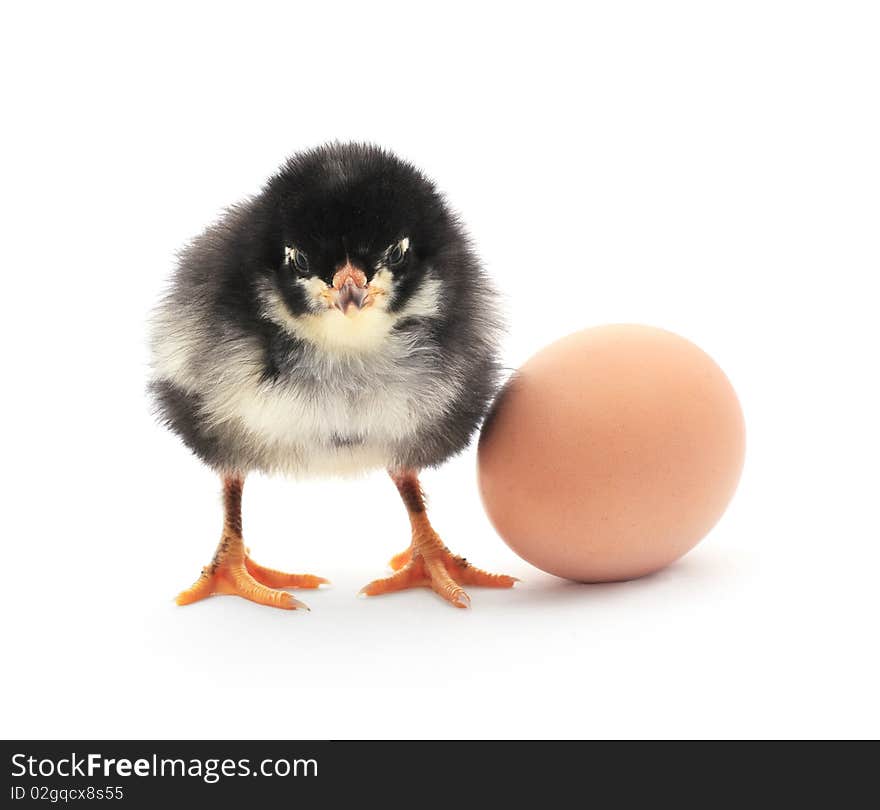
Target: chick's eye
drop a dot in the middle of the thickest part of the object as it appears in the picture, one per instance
(296, 258)
(397, 252)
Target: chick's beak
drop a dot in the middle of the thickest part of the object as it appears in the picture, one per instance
(350, 285)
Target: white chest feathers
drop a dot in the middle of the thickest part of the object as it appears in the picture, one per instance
(333, 412)
(335, 416)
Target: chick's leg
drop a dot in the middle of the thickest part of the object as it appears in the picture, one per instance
(427, 562)
(232, 571)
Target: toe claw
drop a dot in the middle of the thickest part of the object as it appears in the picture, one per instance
(295, 604)
(461, 600)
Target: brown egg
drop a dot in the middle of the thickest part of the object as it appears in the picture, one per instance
(611, 453)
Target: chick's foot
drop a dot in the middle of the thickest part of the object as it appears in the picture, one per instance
(428, 563)
(241, 576)
(246, 578)
(234, 572)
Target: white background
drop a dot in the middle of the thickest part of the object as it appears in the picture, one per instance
(709, 168)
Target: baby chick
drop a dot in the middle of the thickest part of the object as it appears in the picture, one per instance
(337, 322)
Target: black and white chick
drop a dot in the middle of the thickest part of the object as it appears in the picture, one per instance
(337, 322)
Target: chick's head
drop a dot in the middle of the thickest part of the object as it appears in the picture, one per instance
(357, 240)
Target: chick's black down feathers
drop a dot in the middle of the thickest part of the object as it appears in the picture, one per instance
(259, 363)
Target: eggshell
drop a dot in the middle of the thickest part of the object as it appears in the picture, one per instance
(611, 453)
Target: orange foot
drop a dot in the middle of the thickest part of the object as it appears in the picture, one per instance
(238, 574)
(434, 566)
